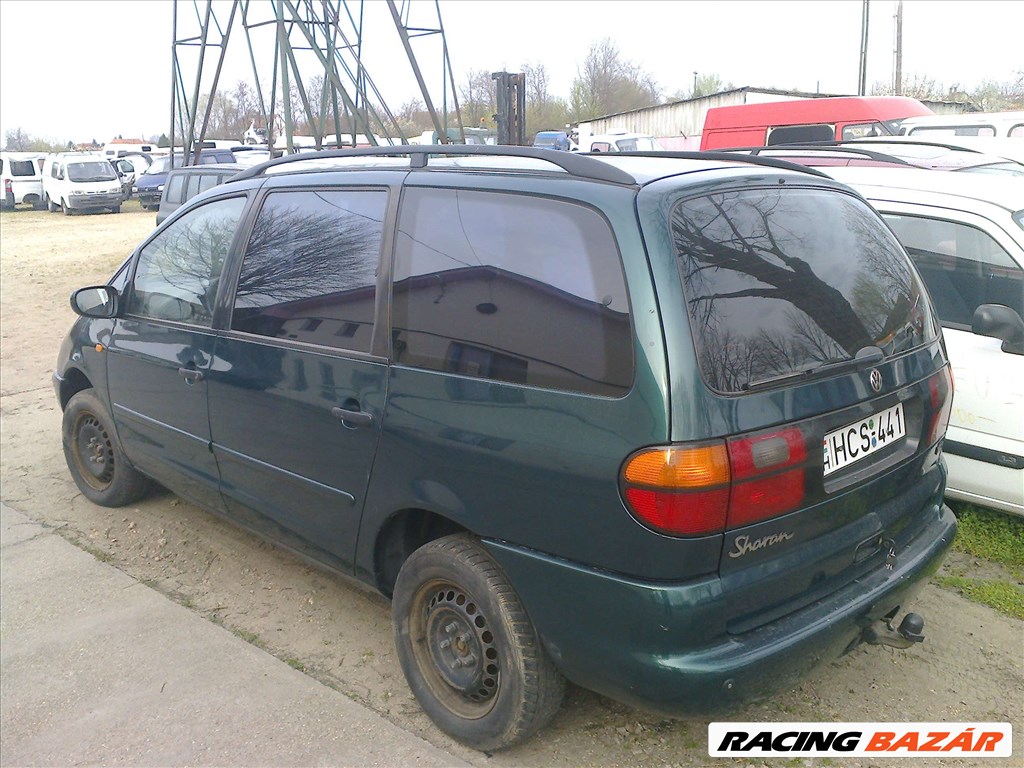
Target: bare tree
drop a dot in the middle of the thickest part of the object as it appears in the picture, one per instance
(607, 83)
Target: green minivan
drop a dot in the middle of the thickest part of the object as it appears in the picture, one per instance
(668, 426)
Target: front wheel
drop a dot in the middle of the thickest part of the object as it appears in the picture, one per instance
(469, 651)
(65, 207)
(50, 205)
(98, 465)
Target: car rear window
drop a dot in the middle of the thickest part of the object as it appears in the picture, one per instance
(781, 281)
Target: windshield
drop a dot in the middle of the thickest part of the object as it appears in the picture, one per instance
(162, 164)
(639, 144)
(99, 170)
(779, 282)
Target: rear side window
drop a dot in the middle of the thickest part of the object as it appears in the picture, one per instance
(310, 270)
(175, 188)
(798, 134)
(22, 168)
(962, 266)
(780, 281)
(512, 288)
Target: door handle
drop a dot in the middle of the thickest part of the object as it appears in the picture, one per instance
(352, 418)
(191, 375)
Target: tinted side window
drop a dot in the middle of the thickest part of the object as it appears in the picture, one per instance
(795, 134)
(779, 281)
(962, 266)
(177, 272)
(520, 289)
(175, 187)
(309, 272)
(22, 168)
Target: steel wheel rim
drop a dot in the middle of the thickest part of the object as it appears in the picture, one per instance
(93, 451)
(454, 647)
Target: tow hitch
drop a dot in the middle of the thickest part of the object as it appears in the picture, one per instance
(911, 630)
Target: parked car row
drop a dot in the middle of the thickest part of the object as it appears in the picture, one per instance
(668, 427)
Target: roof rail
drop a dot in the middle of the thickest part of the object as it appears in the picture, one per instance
(822, 146)
(768, 162)
(900, 141)
(573, 163)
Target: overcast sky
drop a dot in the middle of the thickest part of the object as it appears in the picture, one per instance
(92, 70)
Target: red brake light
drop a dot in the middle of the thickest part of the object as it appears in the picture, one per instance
(702, 489)
(940, 387)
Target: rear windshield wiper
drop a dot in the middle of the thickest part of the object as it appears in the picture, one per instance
(869, 355)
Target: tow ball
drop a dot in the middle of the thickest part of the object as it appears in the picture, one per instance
(881, 632)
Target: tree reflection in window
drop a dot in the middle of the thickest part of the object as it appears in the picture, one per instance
(780, 280)
(178, 271)
(309, 272)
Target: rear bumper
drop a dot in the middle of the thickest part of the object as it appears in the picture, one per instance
(628, 639)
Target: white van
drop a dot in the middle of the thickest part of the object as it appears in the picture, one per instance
(994, 124)
(22, 178)
(621, 142)
(76, 181)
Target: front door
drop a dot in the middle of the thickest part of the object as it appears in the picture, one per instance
(296, 389)
(160, 350)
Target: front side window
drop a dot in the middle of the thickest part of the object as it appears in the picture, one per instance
(310, 269)
(519, 289)
(178, 271)
(963, 266)
(781, 281)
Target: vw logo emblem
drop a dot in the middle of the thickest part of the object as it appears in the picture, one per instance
(876, 380)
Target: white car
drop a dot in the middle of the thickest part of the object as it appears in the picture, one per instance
(965, 234)
(620, 141)
(22, 178)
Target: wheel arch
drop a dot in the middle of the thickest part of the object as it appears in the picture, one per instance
(402, 534)
(74, 382)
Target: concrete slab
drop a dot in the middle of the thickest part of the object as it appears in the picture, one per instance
(99, 669)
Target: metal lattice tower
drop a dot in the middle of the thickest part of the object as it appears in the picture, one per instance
(289, 42)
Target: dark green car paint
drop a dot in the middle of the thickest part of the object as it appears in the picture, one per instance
(644, 617)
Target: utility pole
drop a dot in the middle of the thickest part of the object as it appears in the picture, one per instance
(862, 86)
(898, 85)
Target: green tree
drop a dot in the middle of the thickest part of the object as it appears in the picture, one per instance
(477, 102)
(543, 111)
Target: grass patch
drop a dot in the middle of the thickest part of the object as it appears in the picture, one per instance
(991, 535)
(1005, 598)
(295, 664)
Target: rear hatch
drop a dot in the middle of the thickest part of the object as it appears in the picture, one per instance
(822, 394)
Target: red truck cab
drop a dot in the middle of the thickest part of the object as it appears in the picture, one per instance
(803, 120)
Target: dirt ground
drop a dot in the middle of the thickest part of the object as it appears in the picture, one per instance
(971, 667)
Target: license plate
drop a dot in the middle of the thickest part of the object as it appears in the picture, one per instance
(862, 438)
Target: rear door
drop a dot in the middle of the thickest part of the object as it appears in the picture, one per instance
(818, 366)
(298, 384)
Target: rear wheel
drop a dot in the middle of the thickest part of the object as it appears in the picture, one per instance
(98, 465)
(469, 651)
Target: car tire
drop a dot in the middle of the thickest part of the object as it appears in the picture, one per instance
(66, 208)
(469, 651)
(98, 465)
(50, 205)
(116, 209)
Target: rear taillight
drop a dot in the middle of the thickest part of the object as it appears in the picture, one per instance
(940, 388)
(679, 490)
(768, 475)
(7, 187)
(706, 488)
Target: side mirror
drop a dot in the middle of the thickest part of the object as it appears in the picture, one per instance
(1000, 322)
(60, 176)
(95, 301)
